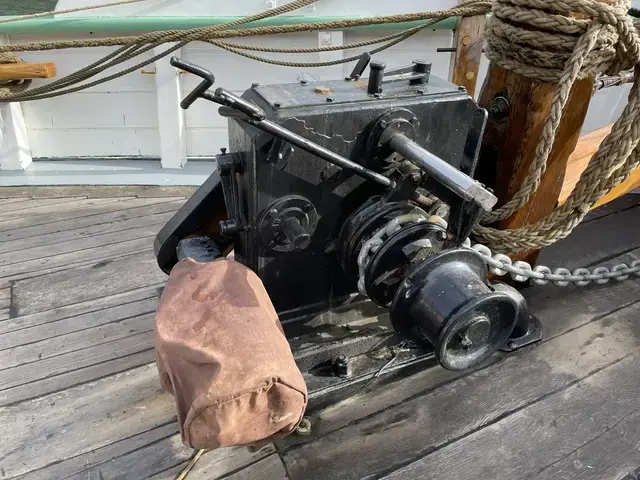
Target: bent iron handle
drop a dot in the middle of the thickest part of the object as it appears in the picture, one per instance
(207, 76)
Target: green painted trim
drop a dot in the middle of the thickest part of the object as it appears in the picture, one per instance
(148, 24)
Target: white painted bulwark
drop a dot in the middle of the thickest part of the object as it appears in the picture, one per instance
(15, 153)
(171, 127)
(137, 117)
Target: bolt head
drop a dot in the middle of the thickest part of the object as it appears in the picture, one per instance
(273, 213)
(329, 99)
(383, 123)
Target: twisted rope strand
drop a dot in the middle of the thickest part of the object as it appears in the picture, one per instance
(596, 50)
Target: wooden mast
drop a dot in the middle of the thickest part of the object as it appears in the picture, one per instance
(518, 108)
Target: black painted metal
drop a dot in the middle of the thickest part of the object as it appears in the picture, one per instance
(446, 300)
(300, 222)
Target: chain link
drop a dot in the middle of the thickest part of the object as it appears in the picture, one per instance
(521, 271)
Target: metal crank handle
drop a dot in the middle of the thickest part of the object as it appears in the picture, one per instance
(463, 185)
(207, 76)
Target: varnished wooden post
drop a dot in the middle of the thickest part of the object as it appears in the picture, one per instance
(518, 108)
(465, 60)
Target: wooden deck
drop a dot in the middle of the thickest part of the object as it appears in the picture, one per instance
(80, 397)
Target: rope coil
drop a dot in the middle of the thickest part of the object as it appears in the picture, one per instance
(607, 43)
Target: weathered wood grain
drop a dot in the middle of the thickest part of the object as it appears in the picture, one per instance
(79, 312)
(61, 328)
(32, 206)
(65, 252)
(9, 201)
(105, 214)
(91, 208)
(91, 256)
(468, 38)
(17, 248)
(82, 419)
(83, 464)
(142, 463)
(553, 428)
(95, 191)
(101, 279)
(391, 438)
(270, 468)
(75, 360)
(511, 137)
(75, 341)
(58, 211)
(166, 457)
(613, 454)
(73, 378)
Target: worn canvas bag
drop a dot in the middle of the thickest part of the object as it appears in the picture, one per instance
(222, 354)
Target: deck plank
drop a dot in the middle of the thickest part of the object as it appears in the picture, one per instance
(270, 468)
(553, 428)
(92, 257)
(65, 253)
(75, 341)
(75, 323)
(452, 411)
(79, 311)
(105, 214)
(92, 209)
(611, 455)
(84, 283)
(20, 248)
(74, 378)
(82, 419)
(68, 362)
(595, 241)
(35, 206)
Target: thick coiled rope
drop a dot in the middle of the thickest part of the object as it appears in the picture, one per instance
(563, 41)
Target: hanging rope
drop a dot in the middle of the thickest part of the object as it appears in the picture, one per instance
(136, 46)
(68, 10)
(557, 41)
(533, 42)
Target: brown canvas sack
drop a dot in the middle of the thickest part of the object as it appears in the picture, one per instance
(222, 354)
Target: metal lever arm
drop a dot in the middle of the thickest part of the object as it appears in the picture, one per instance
(206, 75)
(463, 185)
(232, 105)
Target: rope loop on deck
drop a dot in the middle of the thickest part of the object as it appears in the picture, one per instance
(12, 86)
(562, 41)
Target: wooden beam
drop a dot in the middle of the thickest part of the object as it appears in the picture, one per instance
(19, 71)
(579, 160)
(519, 108)
(465, 60)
